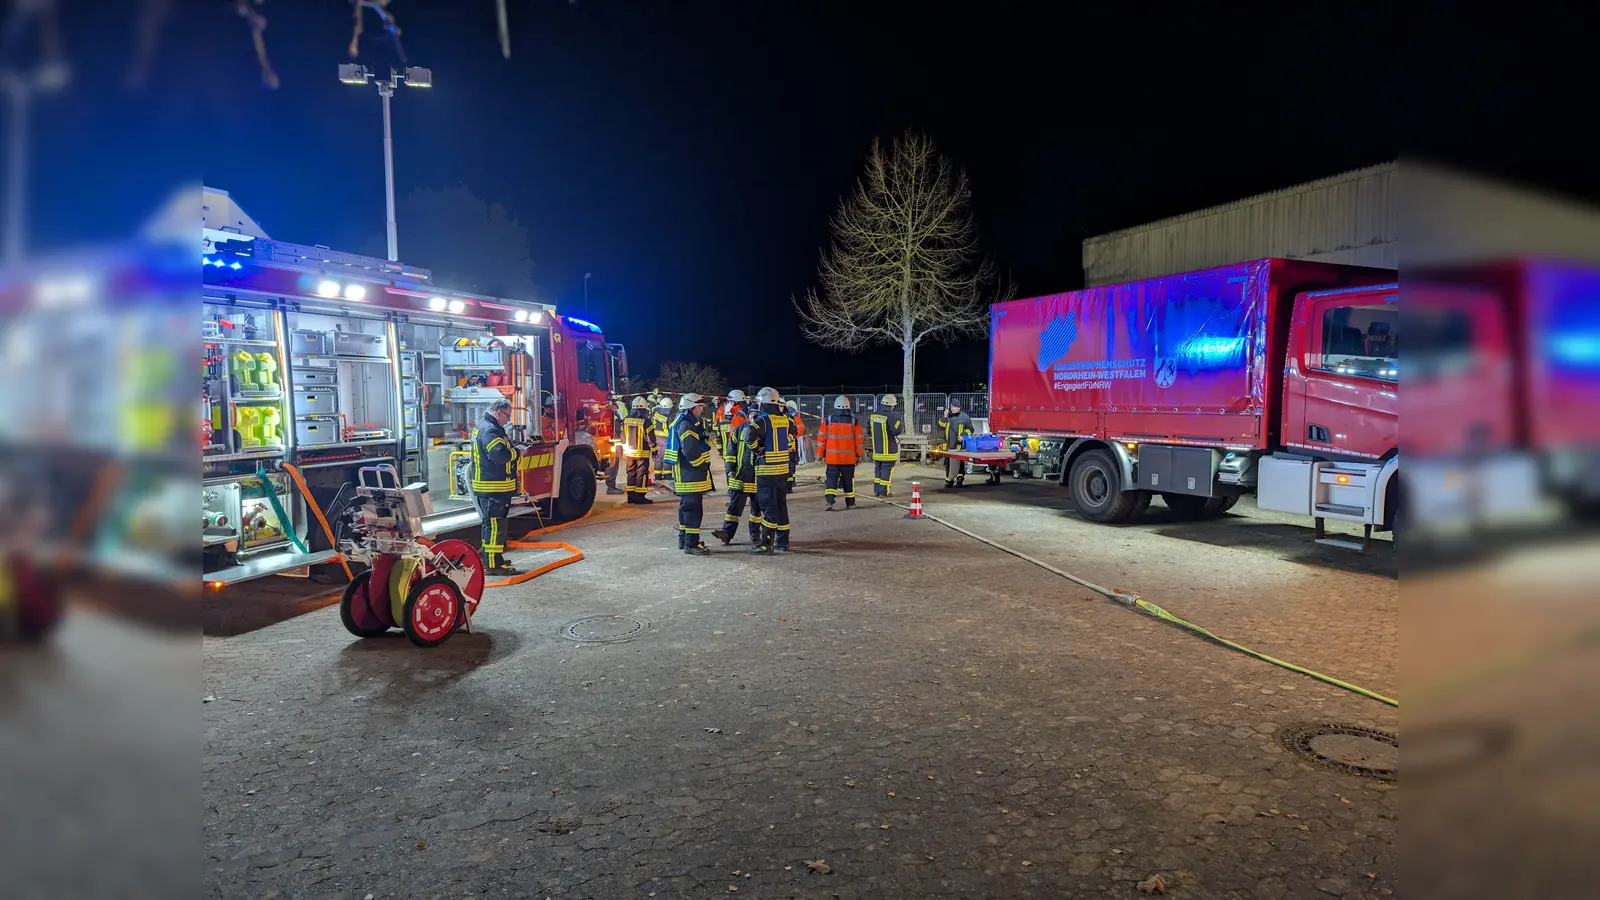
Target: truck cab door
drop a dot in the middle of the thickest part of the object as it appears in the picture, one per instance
(1341, 391)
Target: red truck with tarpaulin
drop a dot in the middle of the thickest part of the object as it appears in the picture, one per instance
(1274, 376)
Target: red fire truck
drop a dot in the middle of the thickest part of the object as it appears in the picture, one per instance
(317, 363)
(1273, 376)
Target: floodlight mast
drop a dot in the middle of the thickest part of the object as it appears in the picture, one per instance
(413, 76)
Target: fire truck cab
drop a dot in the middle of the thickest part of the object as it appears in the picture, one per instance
(317, 363)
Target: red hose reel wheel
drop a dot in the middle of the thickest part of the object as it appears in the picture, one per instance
(433, 606)
(355, 609)
(471, 574)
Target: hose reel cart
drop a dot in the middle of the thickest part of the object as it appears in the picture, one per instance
(424, 588)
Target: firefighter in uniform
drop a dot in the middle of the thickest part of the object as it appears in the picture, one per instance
(741, 486)
(886, 425)
(955, 424)
(638, 442)
(733, 422)
(799, 431)
(773, 445)
(841, 444)
(619, 414)
(689, 447)
(494, 483)
(660, 418)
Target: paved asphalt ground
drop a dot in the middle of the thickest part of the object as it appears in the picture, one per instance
(921, 713)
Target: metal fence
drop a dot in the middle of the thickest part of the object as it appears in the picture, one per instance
(811, 412)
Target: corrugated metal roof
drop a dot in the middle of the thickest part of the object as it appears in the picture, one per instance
(1348, 218)
(1380, 169)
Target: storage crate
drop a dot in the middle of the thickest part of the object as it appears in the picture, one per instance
(980, 442)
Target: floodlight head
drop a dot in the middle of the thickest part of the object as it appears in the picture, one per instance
(351, 73)
(416, 76)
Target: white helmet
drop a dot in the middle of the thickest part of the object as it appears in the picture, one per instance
(736, 396)
(768, 395)
(890, 400)
(689, 401)
(841, 402)
(793, 406)
(640, 403)
(665, 402)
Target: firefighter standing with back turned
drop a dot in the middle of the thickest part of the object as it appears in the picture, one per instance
(886, 425)
(772, 442)
(840, 442)
(689, 446)
(638, 442)
(494, 483)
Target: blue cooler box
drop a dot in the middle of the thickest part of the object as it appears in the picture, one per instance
(980, 442)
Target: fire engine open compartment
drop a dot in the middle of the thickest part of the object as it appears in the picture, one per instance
(244, 395)
(344, 387)
(459, 369)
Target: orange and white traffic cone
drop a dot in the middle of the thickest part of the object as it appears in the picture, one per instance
(916, 502)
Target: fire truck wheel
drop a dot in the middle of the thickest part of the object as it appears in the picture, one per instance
(354, 610)
(1097, 489)
(432, 609)
(577, 488)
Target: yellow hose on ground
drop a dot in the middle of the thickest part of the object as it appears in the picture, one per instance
(1134, 602)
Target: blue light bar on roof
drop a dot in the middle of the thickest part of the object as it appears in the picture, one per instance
(582, 324)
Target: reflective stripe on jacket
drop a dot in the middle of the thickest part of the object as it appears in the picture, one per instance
(690, 447)
(954, 427)
(743, 477)
(493, 460)
(637, 441)
(886, 430)
(840, 441)
(772, 441)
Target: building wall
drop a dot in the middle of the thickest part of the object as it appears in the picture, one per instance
(1349, 218)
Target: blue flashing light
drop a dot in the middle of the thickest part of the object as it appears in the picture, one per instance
(581, 323)
(1576, 349)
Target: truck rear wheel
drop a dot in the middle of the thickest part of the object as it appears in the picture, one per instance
(577, 488)
(1097, 489)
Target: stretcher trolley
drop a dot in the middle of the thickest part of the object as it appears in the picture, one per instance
(426, 589)
(994, 462)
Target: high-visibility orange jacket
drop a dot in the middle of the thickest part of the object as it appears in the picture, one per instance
(841, 440)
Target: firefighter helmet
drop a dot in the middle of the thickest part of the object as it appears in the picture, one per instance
(640, 403)
(793, 406)
(842, 402)
(689, 401)
(736, 395)
(768, 395)
(889, 400)
(666, 402)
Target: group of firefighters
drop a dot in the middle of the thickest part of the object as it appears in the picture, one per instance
(759, 447)
(760, 452)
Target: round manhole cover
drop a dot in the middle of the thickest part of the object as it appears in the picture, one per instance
(603, 629)
(1348, 748)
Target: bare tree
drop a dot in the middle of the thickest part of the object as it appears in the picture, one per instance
(684, 377)
(905, 265)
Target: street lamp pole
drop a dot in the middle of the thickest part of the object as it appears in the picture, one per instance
(586, 277)
(413, 76)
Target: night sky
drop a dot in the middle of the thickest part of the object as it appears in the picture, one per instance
(689, 154)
